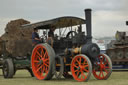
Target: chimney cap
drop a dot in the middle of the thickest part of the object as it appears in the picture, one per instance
(88, 9)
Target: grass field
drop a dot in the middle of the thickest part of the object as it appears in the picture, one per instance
(23, 78)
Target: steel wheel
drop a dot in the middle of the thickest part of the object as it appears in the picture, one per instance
(59, 67)
(8, 68)
(42, 61)
(81, 68)
(103, 68)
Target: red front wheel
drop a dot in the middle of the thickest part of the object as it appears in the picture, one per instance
(81, 68)
(103, 67)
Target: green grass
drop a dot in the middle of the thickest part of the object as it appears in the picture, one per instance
(22, 77)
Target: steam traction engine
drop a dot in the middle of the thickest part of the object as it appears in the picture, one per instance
(73, 53)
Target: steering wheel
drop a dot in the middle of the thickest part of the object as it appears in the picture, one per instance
(71, 34)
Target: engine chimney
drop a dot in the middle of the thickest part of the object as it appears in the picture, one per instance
(88, 24)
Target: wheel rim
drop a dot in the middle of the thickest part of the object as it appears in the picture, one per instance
(80, 68)
(102, 68)
(40, 62)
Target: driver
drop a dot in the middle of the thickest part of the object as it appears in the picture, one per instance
(51, 36)
(51, 32)
(35, 37)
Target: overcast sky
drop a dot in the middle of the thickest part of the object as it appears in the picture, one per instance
(108, 15)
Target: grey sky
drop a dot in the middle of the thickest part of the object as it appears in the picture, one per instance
(108, 15)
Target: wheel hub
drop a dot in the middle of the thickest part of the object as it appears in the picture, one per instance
(41, 62)
(78, 68)
(81, 67)
(102, 66)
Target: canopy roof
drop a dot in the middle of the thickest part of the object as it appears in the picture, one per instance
(60, 22)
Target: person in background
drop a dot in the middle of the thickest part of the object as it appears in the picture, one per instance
(35, 37)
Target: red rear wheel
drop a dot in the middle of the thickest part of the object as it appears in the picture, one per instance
(81, 68)
(103, 68)
(41, 61)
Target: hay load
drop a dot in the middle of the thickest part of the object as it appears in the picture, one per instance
(18, 41)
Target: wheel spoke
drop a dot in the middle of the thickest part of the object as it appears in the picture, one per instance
(41, 73)
(39, 68)
(39, 54)
(38, 65)
(37, 57)
(46, 60)
(85, 70)
(75, 66)
(85, 66)
(44, 55)
(84, 62)
(46, 69)
(46, 65)
(42, 51)
(77, 61)
(105, 70)
(43, 69)
(80, 61)
(77, 74)
(76, 70)
(36, 61)
(106, 63)
(82, 74)
(102, 74)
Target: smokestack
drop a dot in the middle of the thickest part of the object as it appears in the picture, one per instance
(88, 24)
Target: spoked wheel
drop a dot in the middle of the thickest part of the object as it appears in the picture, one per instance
(42, 61)
(81, 68)
(103, 68)
(8, 68)
(59, 67)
